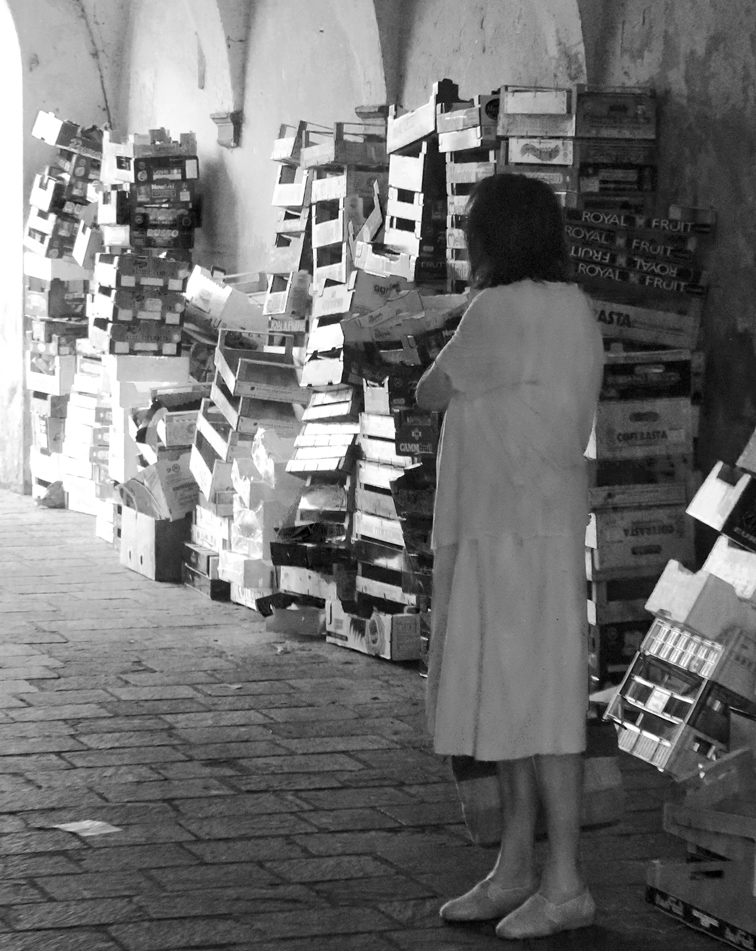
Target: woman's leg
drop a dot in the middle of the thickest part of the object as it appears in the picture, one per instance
(515, 864)
(560, 785)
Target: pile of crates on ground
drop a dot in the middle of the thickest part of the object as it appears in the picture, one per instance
(57, 269)
(687, 705)
(301, 470)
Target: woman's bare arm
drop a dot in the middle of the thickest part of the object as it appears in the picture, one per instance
(434, 389)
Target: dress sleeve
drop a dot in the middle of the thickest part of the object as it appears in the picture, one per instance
(486, 350)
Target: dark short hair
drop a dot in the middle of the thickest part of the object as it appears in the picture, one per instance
(515, 231)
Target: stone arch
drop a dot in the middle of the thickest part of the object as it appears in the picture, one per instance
(223, 30)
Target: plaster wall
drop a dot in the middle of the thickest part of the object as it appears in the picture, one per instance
(482, 45)
(700, 56)
(306, 59)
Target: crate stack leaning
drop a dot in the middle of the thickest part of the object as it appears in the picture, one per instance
(147, 213)
(57, 275)
(246, 428)
(347, 168)
(394, 324)
(647, 281)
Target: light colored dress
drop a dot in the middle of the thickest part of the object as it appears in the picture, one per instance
(508, 671)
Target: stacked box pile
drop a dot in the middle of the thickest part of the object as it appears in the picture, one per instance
(413, 243)
(56, 285)
(290, 261)
(147, 211)
(468, 139)
(642, 450)
(244, 431)
(85, 473)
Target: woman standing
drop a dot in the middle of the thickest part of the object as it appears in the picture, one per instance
(508, 672)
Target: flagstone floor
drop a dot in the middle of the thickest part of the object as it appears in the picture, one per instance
(269, 791)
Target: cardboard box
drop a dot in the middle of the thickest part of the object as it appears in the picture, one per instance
(405, 129)
(213, 588)
(247, 415)
(246, 572)
(265, 373)
(635, 429)
(639, 537)
(360, 144)
(205, 560)
(164, 490)
(615, 113)
(50, 374)
(67, 135)
(391, 636)
(535, 151)
(622, 321)
(153, 547)
(143, 270)
(733, 564)
(293, 187)
(210, 471)
(727, 502)
(221, 304)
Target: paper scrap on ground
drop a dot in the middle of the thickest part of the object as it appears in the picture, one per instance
(88, 827)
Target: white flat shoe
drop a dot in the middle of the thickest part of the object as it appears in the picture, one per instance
(486, 900)
(539, 917)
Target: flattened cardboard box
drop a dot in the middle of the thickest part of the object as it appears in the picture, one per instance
(391, 636)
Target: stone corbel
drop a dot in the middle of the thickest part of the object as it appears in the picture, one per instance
(229, 128)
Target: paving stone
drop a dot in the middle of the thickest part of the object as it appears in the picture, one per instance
(186, 723)
(250, 804)
(360, 891)
(342, 819)
(64, 697)
(194, 770)
(48, 799)
(123, 756)
(118, 814)
(343, 920)
(234, 900)
(100, 885)
(327, 712)
(342, 942)
(74, 939)
(179, 934)
(105, 775)
(326, 869)
(326, 762)
(166, 678)
(127, 708)
(389, 842)
(265, 824)
(72, 711)
(293, 781)
(235, 850)
(41, 744)
(38, 841)
(109, 741)
(180, 789)
(19, 893)
(30, 866)
(166, 692)
(69, 914)
(382, 727)
(245, 751)
(336, 744)
(113, 724)
(117, 858)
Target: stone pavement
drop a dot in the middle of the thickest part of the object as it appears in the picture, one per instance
(271, 792)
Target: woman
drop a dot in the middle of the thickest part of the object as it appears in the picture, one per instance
(508, 670)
